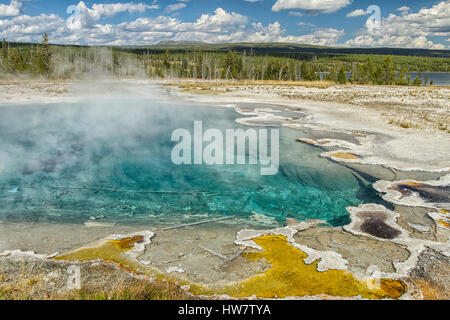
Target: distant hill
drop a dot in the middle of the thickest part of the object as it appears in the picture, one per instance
(175, 44)
(289, 48)
(272, 48)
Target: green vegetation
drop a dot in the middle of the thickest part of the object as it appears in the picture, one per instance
(137, 290)
(211, 62)
(341, 77)
(35, 288)
(34, 60)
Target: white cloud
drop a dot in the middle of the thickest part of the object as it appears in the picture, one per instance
(174, 7)
(322, 37)
(296, 13)
(221, 18)
(404, 8)
(312, 6)
(409, 30)
(27, 29)
(221, 26)
(274, 33)
(86, 17)
(306, 24)
(357, 13)
(11, 10)
(394, 41)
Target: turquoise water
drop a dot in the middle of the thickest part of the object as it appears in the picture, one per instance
(111, 157)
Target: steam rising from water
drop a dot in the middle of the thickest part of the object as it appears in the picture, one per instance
(109, 154)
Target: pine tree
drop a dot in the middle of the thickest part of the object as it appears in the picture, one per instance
(35, 59)
(199, 64)
(306, 71)
(229, 64)
(166, 60)
(315, 73)
(342, 77)
(371, 71)
(418, 80)
(378, 76)
(4, 56)
(239, 66)
(332, 76)
(401, 79)
(46, 55)
(408, 79)
(362, 71)
(388, 71)
(354, 74)
(16, 61)
(42, 58)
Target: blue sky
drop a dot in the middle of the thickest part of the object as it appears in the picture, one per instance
(401, 23)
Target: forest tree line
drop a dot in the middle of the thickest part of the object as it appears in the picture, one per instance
(33, 60)
(70, 62)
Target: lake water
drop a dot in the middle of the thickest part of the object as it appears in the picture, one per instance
(438, 78)
(111, 157)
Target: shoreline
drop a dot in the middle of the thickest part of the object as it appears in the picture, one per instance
(408, 148)
(330, 246)
(359, 122)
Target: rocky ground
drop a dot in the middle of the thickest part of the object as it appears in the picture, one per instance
(406, 107)
(390, 133)
(34, 278)
(25, 91)
(406, 128)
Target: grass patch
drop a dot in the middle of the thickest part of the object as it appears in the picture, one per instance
(400, 123)
(137, 290)
(443, 126)
(405, 125)
(34, 81)
(190, 83)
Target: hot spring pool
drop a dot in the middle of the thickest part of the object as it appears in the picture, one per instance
(111, 156)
